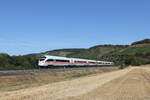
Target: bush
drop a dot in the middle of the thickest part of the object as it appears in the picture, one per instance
(18, 62)
(132, 60)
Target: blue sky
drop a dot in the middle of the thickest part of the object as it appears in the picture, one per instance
(32, 26)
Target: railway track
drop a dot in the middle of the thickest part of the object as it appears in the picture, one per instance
(44, 70)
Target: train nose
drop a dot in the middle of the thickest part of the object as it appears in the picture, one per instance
(41, 63)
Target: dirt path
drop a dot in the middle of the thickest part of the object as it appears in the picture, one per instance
(64, 89)
(133, 86)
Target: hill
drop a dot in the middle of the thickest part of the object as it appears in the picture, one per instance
(131, 51)
(30, 61)
(135, 54)
(64, 52)
(96, 52)
(145, 41)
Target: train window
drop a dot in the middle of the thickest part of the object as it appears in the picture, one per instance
(80, 61)
(50, 60)
(42, 59)
(57, 60)
(92, 62)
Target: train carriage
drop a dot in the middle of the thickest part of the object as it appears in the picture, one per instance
(64, 61)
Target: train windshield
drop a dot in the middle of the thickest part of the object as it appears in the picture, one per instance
(42, 58)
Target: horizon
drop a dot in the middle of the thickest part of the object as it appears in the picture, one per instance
(69, 48)
(35, 26)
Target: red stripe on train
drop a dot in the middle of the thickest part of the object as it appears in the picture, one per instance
(71, 63)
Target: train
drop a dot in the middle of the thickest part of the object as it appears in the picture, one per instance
(48, 60)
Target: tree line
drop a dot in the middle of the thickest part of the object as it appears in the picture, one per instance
(18, 62)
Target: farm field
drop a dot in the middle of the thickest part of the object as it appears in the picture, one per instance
(132, 83)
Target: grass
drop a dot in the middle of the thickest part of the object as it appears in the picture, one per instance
(16, 82)
(82, 74)
(131, 51)
(96, 52)
(91, 72)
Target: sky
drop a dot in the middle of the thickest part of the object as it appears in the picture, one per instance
(33, 26)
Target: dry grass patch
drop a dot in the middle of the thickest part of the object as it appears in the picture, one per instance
(15, 82)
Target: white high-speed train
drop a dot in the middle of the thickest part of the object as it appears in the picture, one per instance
(64, 61)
